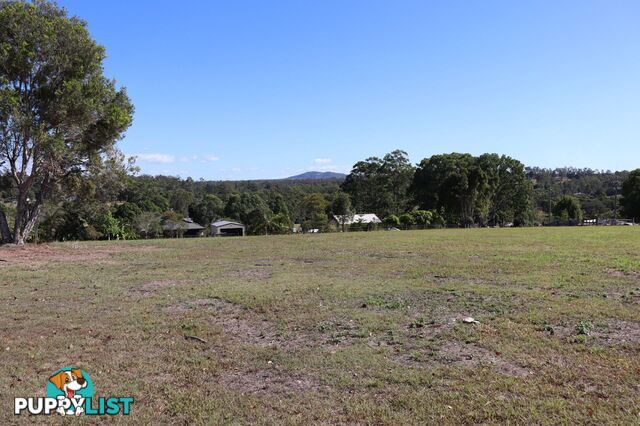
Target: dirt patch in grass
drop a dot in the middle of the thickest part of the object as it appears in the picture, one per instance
(237, 323)
(443, 279)
(472, 355)
(618, 333)
(75, 252)
(243, 326)
(611, 333)
(152, 287)
(260, 273)
(270, 380)
(387, 254)
(454, 353)
(618, 273)
(308, 261)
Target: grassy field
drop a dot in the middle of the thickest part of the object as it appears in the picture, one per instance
(335, 328)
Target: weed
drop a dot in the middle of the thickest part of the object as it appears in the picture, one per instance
(583, 328)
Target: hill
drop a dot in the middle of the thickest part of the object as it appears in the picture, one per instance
(318, 175)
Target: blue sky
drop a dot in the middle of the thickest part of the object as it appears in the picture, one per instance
(267, 89)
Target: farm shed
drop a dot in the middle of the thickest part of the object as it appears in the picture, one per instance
(226, 228)
(184, 228)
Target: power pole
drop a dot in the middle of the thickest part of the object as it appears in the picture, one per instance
(615, 200)
(550, 217)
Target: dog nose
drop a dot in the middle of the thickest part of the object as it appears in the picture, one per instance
(81, 381)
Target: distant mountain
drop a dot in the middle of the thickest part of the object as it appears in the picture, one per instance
(318, 175)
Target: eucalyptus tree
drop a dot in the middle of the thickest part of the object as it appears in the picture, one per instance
(59, 114)
(631, 195)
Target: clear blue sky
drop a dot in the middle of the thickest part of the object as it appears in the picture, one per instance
(267, 89)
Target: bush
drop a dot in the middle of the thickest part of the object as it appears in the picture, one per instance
(407, 220)
(568, 208)
(391, 221)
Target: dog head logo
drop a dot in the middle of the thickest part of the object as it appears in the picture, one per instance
(70, 383)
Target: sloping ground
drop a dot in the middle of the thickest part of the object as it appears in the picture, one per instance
(341, 328)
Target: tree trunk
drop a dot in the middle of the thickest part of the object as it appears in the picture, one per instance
(27, 218)
(31, 222)
(21, 212)
(5, 233)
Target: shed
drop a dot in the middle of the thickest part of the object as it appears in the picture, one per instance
(226, 228)
(184, 228)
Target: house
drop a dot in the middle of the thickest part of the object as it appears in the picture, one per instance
(184, 228)
(226, 228)
(365, 220)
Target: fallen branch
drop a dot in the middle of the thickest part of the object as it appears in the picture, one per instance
(195, 338)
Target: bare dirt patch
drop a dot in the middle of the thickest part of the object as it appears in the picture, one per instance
(261, 273)
(309, 261)
(387, 255)
(243, 326)
(152, 287)
(236, 322)
(611, 333)
(626, 274)
(618, 333)
(75, 252)
(474, 356)
(443, 279)
(458, 354)
(269, 380)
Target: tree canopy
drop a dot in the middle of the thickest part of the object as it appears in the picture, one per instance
(59, 115)
(568, 208)
(380, 186)
(631, 195)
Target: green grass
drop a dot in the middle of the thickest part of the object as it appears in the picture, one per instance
(335, 328)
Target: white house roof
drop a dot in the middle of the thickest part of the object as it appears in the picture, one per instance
(220, 223)
(358, 218)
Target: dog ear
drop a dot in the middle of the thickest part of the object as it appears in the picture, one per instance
(77, 373)
(58, 379)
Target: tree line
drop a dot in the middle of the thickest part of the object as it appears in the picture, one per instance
(111, 201)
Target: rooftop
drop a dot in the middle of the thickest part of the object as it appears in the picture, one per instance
(357, 218)
(187, 224)
(225, 222)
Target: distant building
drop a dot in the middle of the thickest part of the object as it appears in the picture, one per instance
(226, 228)
(184, 228)
(365, 219)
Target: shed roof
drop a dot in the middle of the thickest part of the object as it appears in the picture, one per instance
(220, 223)
(187, 224)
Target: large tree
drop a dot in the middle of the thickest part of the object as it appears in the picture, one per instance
(453, 184)
(568, 208)
(207, 209)
(380, 185)
(59, 114)
(509, 190)
(314, 212)
(631, 195)
(341, 207)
